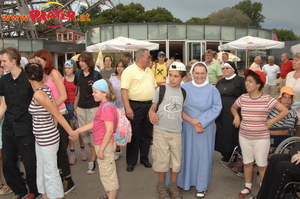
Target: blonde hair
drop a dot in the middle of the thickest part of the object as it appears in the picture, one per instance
(111, 96)
(169, 62)
(192, 62)
(296, 55)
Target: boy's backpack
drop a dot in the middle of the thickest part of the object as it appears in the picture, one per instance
(95, 75)
(162, 91)
(123, 132)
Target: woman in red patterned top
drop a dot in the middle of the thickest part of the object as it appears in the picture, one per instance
(254, 134)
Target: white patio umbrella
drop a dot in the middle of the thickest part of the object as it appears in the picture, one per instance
(251, 43)
(122, 44)
(99, 61)
(295, 49)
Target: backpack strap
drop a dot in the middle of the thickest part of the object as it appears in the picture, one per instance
(107, 103)
(77, 75)
(183, 93)
(162, 91)
(95, 75)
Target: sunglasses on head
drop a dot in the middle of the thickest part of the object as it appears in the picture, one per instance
(69, 63)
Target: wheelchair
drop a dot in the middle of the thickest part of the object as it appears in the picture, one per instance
(280, 144)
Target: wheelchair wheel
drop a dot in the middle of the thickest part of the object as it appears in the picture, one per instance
(286, 145)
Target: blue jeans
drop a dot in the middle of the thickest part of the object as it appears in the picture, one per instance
(70, 109)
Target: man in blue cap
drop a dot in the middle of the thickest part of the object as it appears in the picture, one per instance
(160, 69)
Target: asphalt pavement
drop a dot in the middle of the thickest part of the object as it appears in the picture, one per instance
(141, 183)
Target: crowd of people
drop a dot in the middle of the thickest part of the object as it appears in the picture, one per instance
(45, 112)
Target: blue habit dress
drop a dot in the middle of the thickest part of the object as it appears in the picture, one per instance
(203, 103)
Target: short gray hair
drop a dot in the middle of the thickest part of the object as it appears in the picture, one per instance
(286, 54)
(140, 52)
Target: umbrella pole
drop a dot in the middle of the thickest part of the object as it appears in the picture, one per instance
(248, 59)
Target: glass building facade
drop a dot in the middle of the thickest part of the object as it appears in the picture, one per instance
(185, 41)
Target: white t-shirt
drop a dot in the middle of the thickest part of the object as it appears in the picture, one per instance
(272, 72)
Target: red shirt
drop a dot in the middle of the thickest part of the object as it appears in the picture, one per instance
(286, 68)
(71, 91)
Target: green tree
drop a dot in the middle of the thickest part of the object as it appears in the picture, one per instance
(230, 16)
(253, 11)
(160, 15)
(285, 35)
(133, 13)
(198, 20)
(94, 14)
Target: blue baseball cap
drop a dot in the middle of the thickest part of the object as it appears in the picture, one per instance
(161, 53)
(101, 85)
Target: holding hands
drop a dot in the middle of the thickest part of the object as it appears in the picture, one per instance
(73, 136)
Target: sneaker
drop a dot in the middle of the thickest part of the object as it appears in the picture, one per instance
(91, 167)
(118, 154)
(68, 185)
(72, 159)
(83, 155)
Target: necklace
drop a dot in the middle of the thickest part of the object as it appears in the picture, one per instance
(255, 96)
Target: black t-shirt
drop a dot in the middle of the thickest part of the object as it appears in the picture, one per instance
(86, 99)
(18, 94)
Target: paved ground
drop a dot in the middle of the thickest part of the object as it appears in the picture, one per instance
(140, 184)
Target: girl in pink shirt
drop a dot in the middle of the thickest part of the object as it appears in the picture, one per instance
(104, 127)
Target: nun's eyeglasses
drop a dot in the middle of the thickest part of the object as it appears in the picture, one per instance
(226, 68)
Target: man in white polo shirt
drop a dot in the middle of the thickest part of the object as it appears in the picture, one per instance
(272, 72)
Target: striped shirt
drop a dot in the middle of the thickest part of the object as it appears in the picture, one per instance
(44, 129)
(254, 115)
(288, 121)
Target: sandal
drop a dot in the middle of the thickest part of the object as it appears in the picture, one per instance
(103, 197)
(5, 190)
(200, 194)
(175, 194)
(243, 195)
(163, 193)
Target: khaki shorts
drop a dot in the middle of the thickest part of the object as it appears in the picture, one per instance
(255, 149)
(107, 168)
(166, 151)
(85, 116)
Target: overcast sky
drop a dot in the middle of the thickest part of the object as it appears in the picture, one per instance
(279, 13)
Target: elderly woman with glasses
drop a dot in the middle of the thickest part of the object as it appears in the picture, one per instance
(231, 86)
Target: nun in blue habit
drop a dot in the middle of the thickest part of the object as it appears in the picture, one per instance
(203, 105)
